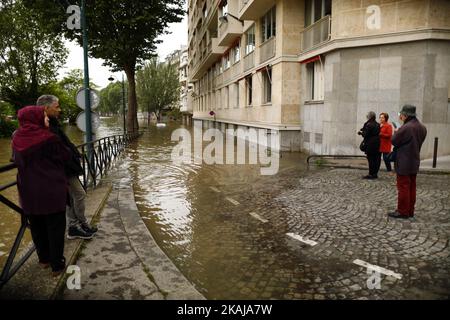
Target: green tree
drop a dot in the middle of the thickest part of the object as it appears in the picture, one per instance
(111, 102)
(158, 86)
(29, 56)
(121, 32)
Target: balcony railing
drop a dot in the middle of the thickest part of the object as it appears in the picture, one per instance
(317, 33)
(226, 75)
(267, 50)
(235, 69)
(249, 61)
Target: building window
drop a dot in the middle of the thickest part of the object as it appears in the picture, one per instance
(205, 11)
(316, 10)
(226, 61)
(236, 92)
(224, 9)
(267, 85)
(268, 25)
(237, 53)
(227, 97)
(248, 90)
(250, 40)
(316, 86)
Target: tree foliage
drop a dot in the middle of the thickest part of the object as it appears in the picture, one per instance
(158, 86)
(121, 32)
(111, 99)
(29, 55)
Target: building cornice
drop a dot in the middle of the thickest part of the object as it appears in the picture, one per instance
(373, 40)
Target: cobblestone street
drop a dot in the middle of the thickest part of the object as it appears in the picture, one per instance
(340, 218)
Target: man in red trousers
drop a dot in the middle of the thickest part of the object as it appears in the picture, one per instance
(408, 141)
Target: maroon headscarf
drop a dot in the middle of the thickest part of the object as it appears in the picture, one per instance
(32, 131)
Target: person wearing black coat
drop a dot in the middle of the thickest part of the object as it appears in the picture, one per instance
(78, 225)
(371, 144)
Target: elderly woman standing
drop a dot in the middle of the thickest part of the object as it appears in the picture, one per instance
(371, 135)
(42, 184)
(385, 139)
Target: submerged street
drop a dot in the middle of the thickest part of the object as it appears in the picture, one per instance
(300, 234)
(318, 233)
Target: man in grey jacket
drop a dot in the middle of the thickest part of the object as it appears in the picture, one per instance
(408, 141)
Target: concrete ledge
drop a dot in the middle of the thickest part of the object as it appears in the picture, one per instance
(164, 273)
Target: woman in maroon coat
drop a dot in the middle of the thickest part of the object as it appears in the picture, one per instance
(42, 184)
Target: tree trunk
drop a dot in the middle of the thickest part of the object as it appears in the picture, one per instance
(132, 122)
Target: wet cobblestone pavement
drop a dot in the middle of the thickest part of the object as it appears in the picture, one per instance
(346, 217)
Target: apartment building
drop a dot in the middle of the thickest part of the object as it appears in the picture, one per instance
(312, 69)
(185, 88)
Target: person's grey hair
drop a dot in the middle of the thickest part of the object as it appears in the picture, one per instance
(371, 115)
(46, 100)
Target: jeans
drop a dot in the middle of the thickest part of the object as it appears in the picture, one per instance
(75, 213)
(47, 232)
(387, 163)
(406, 187)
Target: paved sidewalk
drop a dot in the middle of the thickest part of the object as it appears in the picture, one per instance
(33, 282)
(123, 261)
(442, 163)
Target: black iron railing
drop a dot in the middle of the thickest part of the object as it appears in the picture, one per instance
(97, 157)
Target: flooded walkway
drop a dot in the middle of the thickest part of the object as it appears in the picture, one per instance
(296, 235)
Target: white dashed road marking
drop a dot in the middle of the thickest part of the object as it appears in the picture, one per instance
(215, 189)
(300, 238)
(258, 217)
(378, 269)
(232, 201)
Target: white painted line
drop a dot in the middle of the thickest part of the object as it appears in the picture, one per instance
(300, 238)
(215, 189)
(233, 201)
(258, 217)
(378, 269)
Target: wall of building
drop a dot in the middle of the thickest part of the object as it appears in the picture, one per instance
(349, 17)
(380, 79)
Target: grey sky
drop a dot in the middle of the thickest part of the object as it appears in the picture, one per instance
(100, 74)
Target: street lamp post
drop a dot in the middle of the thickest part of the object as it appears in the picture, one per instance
(111, 78)
(87, 93)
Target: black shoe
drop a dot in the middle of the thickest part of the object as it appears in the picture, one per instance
(370, 177)
(78, 233)
(60, 268)
(89, 229)
(395, 214)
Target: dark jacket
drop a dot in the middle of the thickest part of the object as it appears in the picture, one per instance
(73, 166)
(41, 180)
(408, 140)
(371, 134)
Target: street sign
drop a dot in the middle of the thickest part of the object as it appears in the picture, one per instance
(95, 99)
(81, 121)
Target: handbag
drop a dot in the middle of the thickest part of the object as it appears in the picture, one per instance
(392, 156)
(363, 146)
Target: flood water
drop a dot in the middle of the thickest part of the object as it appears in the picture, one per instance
(200, 215)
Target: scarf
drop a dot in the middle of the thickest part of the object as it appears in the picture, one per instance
(32, 131)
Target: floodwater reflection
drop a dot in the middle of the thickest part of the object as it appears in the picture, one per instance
(199, 215)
